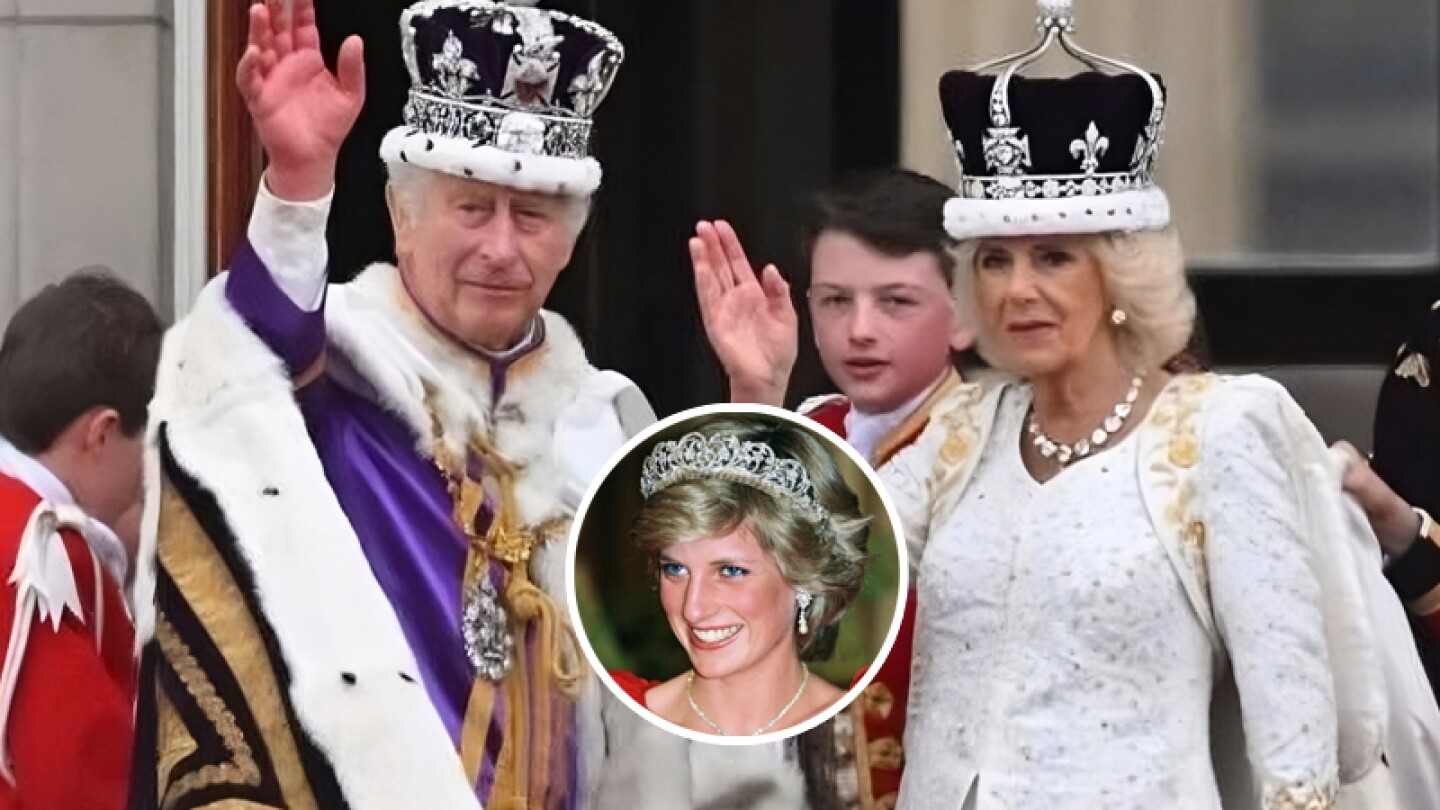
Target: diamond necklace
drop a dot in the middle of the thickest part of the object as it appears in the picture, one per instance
(690, 696)
(1066, 453)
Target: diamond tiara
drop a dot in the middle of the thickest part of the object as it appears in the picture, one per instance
(754, 464)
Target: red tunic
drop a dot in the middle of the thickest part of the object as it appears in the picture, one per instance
(71, 722)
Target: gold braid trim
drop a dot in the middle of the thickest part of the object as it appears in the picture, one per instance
(241, 769)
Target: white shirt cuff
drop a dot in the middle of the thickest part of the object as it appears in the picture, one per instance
(289, 237)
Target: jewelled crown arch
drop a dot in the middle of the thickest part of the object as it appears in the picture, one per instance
(503, 92)
(1006, 149)
(1080, 167)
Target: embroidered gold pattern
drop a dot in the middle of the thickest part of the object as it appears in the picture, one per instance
(1195, 536)
(879, 700)
(510, 544)
(960, 434)
(886, 754)
(241, 769)
(1299, 797)
(1174, 413)
(955, 449)
(1184, 450)
(1415, 367)
(173, 741)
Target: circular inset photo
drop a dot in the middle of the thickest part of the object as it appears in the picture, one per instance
(735, 574)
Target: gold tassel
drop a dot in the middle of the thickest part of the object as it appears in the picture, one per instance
(522, 771)
(475, 731)
(509, 791)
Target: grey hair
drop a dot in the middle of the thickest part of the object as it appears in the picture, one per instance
(1143, 273)
(411, 184)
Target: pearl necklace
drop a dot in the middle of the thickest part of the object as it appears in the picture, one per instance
(690, 696)
(1066, 453)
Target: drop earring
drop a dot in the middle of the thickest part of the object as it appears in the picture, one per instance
(803, 599)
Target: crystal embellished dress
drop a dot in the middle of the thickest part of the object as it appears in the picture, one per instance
(1058, 662)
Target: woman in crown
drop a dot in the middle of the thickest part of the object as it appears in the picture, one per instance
(759, 546)
(1109, 555)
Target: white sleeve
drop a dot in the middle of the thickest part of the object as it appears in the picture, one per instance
(908, 480)
(1267, 597)
(289, 238)
(605, 414)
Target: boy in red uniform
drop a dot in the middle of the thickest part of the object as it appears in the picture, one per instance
(77, 368)
(887, 331)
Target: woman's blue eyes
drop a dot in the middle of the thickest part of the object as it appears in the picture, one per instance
(728, 571)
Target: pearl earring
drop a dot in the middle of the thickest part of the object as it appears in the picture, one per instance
(1118, 317)
(803, 599)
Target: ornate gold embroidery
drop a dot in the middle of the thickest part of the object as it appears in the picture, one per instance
(241, 769)
(1175, 412)
(960, 433)
(173, 742)
(955, 449)
(1299, 797)
(879, 700)
(199, 572)
(1184, 450)
(1415, 367)
(1195, 536)
(510, 544)
(886, 754)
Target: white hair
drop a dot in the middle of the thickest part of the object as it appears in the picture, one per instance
(411, 185)
(1143, 273)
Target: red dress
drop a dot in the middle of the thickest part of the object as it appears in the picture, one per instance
(633, 685)
(71, 720)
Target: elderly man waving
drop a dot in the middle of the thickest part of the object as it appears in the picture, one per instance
(358, 492)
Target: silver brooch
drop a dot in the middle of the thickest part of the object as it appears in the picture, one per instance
(486, 631)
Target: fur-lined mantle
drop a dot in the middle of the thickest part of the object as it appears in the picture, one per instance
(226, 407)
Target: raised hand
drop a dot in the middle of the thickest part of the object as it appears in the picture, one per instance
(749, 318)
(301, 111)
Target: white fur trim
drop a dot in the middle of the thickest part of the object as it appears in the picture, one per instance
(233, 424)
(539, 173)
(556, 420)
(1144, 210)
